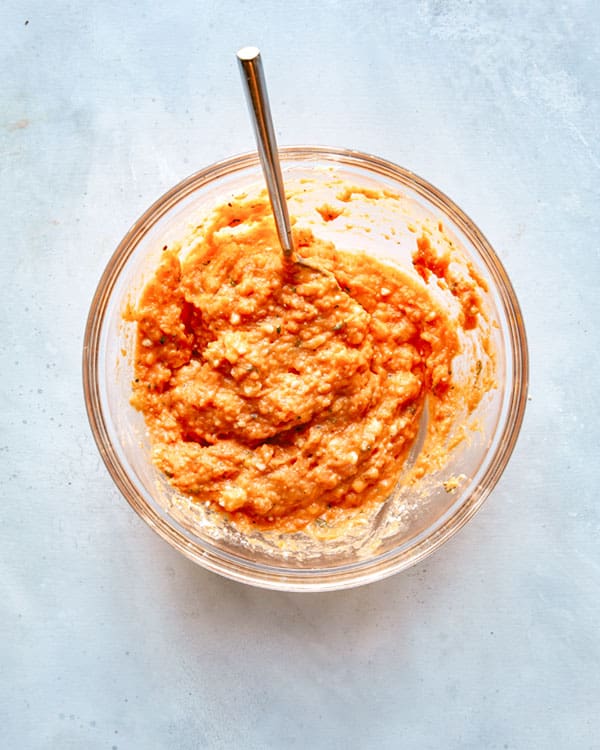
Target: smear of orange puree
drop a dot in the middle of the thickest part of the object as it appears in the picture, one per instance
(275, 393)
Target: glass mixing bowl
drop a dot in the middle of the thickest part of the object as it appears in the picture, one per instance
(415, 520)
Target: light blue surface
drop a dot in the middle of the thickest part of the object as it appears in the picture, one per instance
(110, 639)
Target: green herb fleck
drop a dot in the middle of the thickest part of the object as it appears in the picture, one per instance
(320, 522)
(338, 326)
(169, 474)
(162, 340)
(232, 282)
(278, 329)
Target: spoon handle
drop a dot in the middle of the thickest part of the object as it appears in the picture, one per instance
(255, 88)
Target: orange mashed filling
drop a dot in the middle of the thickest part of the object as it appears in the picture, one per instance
(280, 394)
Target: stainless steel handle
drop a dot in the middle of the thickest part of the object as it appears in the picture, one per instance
(255, 88)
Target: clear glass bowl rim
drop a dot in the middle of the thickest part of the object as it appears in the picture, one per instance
(315, 579)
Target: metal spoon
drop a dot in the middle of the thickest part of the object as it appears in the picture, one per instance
(255, 88)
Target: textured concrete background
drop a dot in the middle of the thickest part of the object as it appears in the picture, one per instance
(108, 638)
